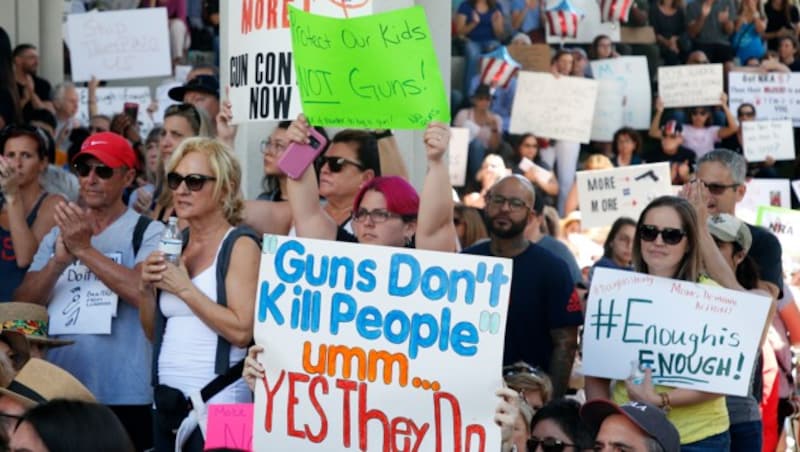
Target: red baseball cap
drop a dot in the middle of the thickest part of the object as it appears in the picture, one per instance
(111, 149)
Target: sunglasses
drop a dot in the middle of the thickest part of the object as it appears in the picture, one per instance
(335, 164)
(102, 171)
(516, 369)
(718, 189)
(548, 444)
(670, 236)
(194, 182)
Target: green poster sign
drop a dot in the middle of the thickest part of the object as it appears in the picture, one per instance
(377, 71)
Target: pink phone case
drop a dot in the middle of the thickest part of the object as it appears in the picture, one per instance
(298, 157)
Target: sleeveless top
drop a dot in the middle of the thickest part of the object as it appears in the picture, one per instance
(10, 274)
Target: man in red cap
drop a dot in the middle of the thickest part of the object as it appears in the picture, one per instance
(89, 264)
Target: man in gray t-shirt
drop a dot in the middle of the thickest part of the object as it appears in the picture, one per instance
(98, 234)
(710, 24)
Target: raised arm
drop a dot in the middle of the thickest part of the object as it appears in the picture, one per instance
(565, 344)
(732, 126)
(303, 193)
(655, 124)
(435, 229)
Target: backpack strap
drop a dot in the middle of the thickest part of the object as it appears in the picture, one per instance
(222, 361)
(138, 232)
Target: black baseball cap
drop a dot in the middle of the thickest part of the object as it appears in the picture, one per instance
(203, 83)
(650, 419)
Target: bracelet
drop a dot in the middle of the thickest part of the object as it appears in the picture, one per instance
(665, 405)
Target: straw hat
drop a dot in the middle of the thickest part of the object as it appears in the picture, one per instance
(39, 381)
(29, 319)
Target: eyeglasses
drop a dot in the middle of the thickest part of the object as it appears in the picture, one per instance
(278, 146)
(377, 215)
(548, 444)
(699, 113)
(335, 164)
(718, 189)
(9, 420)
(514, 204)
(102, 171)
(194, 182)
(670, 236)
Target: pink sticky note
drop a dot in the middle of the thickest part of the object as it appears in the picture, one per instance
(230, 426)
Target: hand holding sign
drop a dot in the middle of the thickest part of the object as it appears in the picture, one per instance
(644, 391)
(253, 370)
(437, 140)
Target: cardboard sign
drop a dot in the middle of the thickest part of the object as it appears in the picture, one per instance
(113, 45)
(111, 101)
(368, 346)
(458, 154)
(694, 336)
(263, 84)
(82, 304)
(590, 24)
(534, 57)
(557, 108)
(775, 96)
(763, 192)
(785, 224)
(764, 139)
(230, 426)
(608, 111)
(632, 76)
(342, 76)
(690, 85)
(605, 195)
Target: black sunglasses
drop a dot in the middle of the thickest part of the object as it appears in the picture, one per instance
(548, 444)
(335, 164)
(718, 189)
(194, 182)
(102, 171)
(670, 236)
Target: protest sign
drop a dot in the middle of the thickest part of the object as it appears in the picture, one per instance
(558, 108)
(230, 426)
(457, 152)
(163, 100)
(113, 45)
(764, 139)
(694, 336)
(608, 111)
(785, 224)
(590, 24)
(342, 71)
(774, 95)
(368, 346)
(763, 192)
(111, 101)
(690, 85)
(796, 188)
(534, 57)
(605, 195)
(633, 77)
(82, 303)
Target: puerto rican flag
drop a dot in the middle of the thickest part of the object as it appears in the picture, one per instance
(615, 10)
(498, 68)
(563, 20)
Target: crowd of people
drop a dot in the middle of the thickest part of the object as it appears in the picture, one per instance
(102, 195)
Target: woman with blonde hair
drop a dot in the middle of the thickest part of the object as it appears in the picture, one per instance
(469, 225)
(201, 318)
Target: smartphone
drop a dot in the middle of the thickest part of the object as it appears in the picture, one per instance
(298, 157)
(132, 110)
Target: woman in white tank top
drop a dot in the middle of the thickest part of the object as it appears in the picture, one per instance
(206, 182)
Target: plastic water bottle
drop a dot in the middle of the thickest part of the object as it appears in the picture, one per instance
(637, 375)
(171, 242)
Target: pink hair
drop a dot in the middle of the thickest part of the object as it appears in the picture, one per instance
(401, 197)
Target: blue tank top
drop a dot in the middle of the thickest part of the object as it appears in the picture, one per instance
(10, 274)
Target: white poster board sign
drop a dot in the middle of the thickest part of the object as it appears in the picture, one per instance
(457, 152)
(796, 188)
(690, 85)
(691, 335)
(775, 96)
(112, 45)
(385, 333)
(608, 111)
(557, 108)
(785, 224)
(763, 192)
(605, 195)
(633, 77)
(589, 25)
(111, 101)
(262, 84)
(82, 304)
(764, 139)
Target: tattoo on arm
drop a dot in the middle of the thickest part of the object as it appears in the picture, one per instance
(565, 344)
